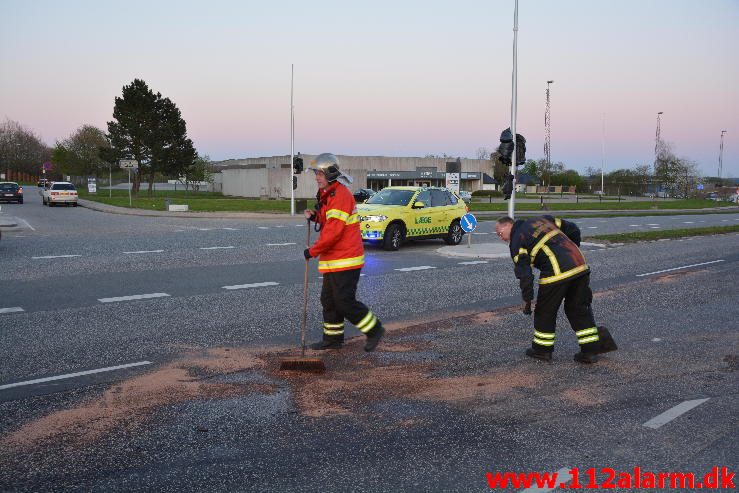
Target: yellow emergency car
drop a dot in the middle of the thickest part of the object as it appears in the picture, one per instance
(396, 214)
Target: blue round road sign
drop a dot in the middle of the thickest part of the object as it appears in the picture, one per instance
(468, 223)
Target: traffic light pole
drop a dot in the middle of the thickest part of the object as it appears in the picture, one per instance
(514, 102)
(292, 143)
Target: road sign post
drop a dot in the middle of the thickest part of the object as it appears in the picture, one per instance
(129, 164)
(468, 223)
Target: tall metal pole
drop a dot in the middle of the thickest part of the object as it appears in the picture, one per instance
(514, 105)
(657, 139)
(548, 134)
(603, 156)
(292, 142)
(721, 155)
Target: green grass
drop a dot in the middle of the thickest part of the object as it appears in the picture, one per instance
(196, 201)
(605, 205)
(666, 234)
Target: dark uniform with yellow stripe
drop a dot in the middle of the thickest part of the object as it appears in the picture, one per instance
(542, 243)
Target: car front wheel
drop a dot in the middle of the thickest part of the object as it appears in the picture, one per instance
(454, 235)
(393, 237)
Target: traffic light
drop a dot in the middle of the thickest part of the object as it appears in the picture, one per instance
(505, 149)
(295, 182)
(297, 164)
(508, 187)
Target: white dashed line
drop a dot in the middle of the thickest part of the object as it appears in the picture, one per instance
(587, 243)
(12, 309)
(632, 225)
(678, 268)
(652, 224)
(475, 233)
(179, 230)
(473, 262)
(217, 248)
(145, 251)
(673, 413)
(589, 227)
(723, 220)
(133, 297)
(262, 227)
(57, 256)
(205, 229)
(72, 375)
(684, 222)
(280, 226)
(285, 244)
(253, 285)
(231, 229)
(653, 227)
(420, 267)
(300, 225)
(563, 477)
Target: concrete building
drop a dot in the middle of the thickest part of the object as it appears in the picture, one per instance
(269, 177)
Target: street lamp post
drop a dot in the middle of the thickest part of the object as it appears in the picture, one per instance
(721, 156)
(514, 107)
(548, 133)
(657, 139)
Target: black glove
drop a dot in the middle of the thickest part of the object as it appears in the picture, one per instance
(526, 308)
(306, 254)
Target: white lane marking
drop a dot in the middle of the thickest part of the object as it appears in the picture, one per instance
(473, 262)
(587, 243)
(653, 227)
(723, 220)
(656, 339)
(132, 297)
(473, 233)
(12, 309)
(592, 227)
(420, 267)
(563, 477)
(684, 222)
(57, 256)
(32, 228)
(653, 224)
(205, 229)
(300, 225)
(72, 375)
(635, 225)
(179, 230)
(146, 251)
(673, 413)
(231, 229)
(262, 227)
(678, 268)
(280, 226)
(217, 248)
(253, 285)
(280, 244)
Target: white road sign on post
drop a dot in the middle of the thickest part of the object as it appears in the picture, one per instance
(129, 164)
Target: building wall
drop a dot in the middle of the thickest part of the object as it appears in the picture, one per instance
(273, 181)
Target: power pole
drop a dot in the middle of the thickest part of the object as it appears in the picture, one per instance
(548, 134)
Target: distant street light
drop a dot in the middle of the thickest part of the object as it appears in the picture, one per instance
(721, 155)
(657, 139)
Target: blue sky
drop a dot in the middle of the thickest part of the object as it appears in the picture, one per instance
(404, 78)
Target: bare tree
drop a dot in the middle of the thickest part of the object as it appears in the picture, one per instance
(483, 153)
(21, 149)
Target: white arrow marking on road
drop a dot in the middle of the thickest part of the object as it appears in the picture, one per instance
(147, 251)
(563, 477)
(473, 262)
(217, 248)
(72, 375)
(57, 256)
(673, 413)
(13, 309)
(420, 267)
(678, 268)
(132, 297)
(254, 285)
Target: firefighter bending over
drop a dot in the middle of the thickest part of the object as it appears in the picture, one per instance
(551, 245)
(341, 257)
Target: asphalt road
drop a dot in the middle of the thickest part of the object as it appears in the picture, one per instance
(448, 397)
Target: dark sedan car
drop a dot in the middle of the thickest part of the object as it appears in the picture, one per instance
(11, 192)
(363, 194)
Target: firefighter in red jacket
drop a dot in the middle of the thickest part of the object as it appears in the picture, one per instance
(551, 245)
(340, 257)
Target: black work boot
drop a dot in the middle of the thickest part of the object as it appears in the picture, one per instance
(373, 339)
(327, 344)
(586, 357)
(607, 344)
(542, 355)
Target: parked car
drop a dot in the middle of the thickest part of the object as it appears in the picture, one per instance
(397, 214)
(42, 182)
(713, 196)
(466, 196)
(11, 192)
(59, 192)
(363, 194)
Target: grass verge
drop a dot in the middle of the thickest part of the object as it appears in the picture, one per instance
(666, 234)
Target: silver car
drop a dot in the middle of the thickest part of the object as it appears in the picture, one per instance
(60, 192)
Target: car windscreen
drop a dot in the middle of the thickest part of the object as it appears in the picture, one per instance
(391, 197)
(62, 186)
(8, 187)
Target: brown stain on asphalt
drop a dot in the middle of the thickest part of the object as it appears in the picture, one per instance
(132, 401)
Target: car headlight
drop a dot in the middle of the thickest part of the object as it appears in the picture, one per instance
(373, 219)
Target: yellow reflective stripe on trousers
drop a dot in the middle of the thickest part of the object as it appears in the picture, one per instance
(367, 323)
(542, 342)
(330, 325)
(586, 340)
(543, 335)
(329, 332)
(564, 275)
(586, 332)
(341, 263)
(337, 214)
